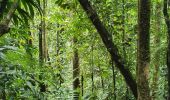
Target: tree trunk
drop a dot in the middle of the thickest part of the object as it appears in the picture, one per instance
(42, 44)
(44, 33)
(29, 45)
(76, 71)
(82, 84)
(92, 68)
(167, 21)
(114, 79)
(101, 77)
(143, 58)
(111, 47)
(157, 55)
(123, 40)
(3, 4)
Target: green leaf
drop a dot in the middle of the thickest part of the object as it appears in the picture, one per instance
(11, 72)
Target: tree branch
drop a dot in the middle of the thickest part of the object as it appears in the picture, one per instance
(5, 22)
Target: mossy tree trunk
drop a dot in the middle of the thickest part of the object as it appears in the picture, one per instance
(76, 71)
(42, 43)
(167, 21)
(143, 56)
(157, 54)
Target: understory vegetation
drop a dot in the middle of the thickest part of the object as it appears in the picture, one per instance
(84, 50)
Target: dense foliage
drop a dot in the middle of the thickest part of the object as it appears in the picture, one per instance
(41, 39)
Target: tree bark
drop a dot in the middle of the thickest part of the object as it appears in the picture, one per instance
(44, 32)
(82, 84)
(143, 58)
(111, 47)
(113, 79)
(42, 44)
(124, 40)
(157, 54)
(42, 35)
(76, 71)
(167, 21)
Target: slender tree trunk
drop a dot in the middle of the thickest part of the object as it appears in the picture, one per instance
(41, 58)
(92, 69)
(114, 79)
(76, 71)
(143, 50)
(111, 47)
(57, 54)
(167, 21)
(57, 42)
(123, 40)
(59, 45)
(82, 84)
(102, 80)
(29, 44)
(42, 44)
(44, 33)
(157, 54)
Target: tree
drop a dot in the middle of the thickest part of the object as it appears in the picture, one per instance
(97, 49)
(143, 58)
(157, 55)
(111, 47)
(76, 71)
(24, 12)
(167, 21)
(42, 43)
